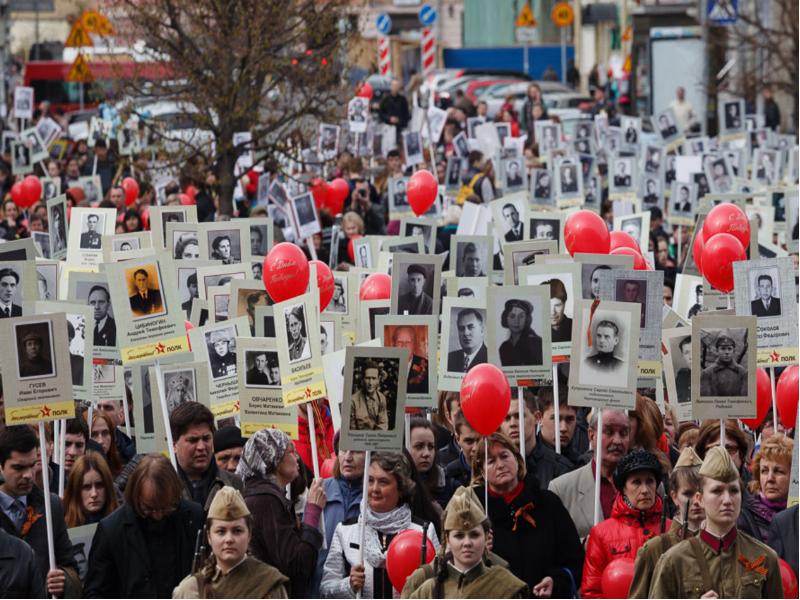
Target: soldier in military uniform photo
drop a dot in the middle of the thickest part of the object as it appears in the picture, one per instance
(369, 410)
(222, 360)
(416, 300)
(726, 377)
(91, 238)
(604, 342)
(32, 359)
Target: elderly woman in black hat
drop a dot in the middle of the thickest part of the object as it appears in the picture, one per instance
(523, 346)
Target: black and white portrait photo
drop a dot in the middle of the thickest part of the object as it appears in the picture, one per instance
(461, 145)
(23, 102)
(10, 292)
(651, 195)
(412, 228)
(50, 188)
(225, 245)
(92, 226)
(179, 386)
(296, 333)
(305, 215)
(631, 130)
(373, 394)
(548, 139)
(416, 289)
(467, 339)
(719, 174)
(185, 245)
(622, 168)
(542, 186)
(733, 115)
(33, 342)
(21, 157)
(262, 369)
(46, 280)
(221, 344)
(412, 147)
(633, 290)
(338, 303)
(606, 353)
(92, 189)
(357, 113)
(258, 240)
(125, 244)
(633, 227)
(765, 293)
(328, 140)
(568, 174)
(472, 259)
(453, 173)
(520, 333)
(652, 159)
(765, 166)
(104, 327)
(665, 123)
(513, 225)
(397, 193)
(683, 198)
(514, 174)
(723, 362)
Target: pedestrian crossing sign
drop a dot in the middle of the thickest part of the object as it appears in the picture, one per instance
(79, 71)
(525, 17)
(78, 36)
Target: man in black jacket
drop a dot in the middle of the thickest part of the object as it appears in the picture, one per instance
(19, 575)
(22, 512)
(394, 108)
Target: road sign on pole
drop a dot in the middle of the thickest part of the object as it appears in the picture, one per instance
(78, 36)
(383, 24)
(79, 71)
(428, 51)
(562, 14)
(384, 55)
(427, 15)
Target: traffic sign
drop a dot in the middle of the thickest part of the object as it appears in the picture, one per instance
(427, 15)
(525, 35)
(94, 22)
(79, 71)
(562, 14)
(722, 12)
(78, 36)
(525, 17)
(383, 23)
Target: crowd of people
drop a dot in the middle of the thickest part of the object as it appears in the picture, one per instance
(243, 517)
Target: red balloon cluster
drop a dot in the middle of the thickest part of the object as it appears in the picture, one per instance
(285, 272)
(324, 283)
(27, 192)
(319, 190)
(586, 231)
(620, 239)
(789, 580)
(763, 399)
(421, 191)
(404, 556)
(639, 263)
(330, 196)
(377, 286)
(485, 398)
(131, 189)
(723, 241)
(786, 396)
(617, 578)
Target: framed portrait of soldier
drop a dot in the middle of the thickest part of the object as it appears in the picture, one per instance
(260, 236)
(298, 342)
(665, 124)
(731, 114)
(594, 268)
(636, 225)
(261, 404)
(677, 363)
(631, 132)
(723, 367)
(418, 335)
(653, 159)
(520, 254)
(21, 162)
(509, 215)
(569, 182)
(463, 340)
(416, 284)
(424, 226)
(542, 188)
(328, 140)
(160, 216)
(719, 174)
(357, 113)
(453, 172)
(84, 244)
(518, 332)
(683, 202)
(766, 289)
(622, 178)
(374, 400)
(18, 288)
(91, 289)
(515, 175)
(398, 201)
(412, 148)
(304, 216)
(209, 276)
(644, 288)
(79, 341)
(546, 226)
(216, 346)
(227, 242)
(178, 383)
(603, 369)
(150, 320)
(37, 384)
(651, 192)
(471, 255)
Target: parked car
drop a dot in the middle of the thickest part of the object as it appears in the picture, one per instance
(496, 95)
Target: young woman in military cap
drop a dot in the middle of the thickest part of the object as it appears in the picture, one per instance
(721, 561)
(229, 572)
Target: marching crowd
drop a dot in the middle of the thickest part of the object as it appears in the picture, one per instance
(245, 517)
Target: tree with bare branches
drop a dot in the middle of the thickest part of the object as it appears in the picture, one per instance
(268, 67)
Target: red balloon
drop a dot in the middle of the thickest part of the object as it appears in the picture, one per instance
(485, 398)
(350, 250)
(145, 215)
(789, 580)
(620, 239)
(319, 189)
(17, 194)
(377, 286)
(727, 218)
(585, 231)
(31, 191)
(719, 254)
(285, 272)
(786, 395)
(324, 283)
(404, 556)
(697, 250)
(338, 191)
(639, 263)
(131, 188)
(617, 578)
(763, 399)
(365, 91)
(421, 191)
(326, 469)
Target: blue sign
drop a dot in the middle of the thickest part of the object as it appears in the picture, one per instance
(427, 15)
(722, 12)
(383, 24)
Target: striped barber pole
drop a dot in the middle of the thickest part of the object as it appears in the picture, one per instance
(428, 51)
(384, 55)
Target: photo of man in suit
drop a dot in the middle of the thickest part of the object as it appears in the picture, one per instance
(258, 375)
(569, 180)
(191, 285)
(9, 281)
(666, 127)
(513, 175)
(766, 305)
(471, 336)
(416, 301)
(515, 231)
(105, 329)
(622, 178)
(683, 202)
(90, 239)
(146, 300)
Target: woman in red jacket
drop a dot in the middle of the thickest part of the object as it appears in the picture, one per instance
(634, 519)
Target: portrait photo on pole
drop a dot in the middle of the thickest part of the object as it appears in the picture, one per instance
(521, 254)
(471, 255)
(463, 340)
(398, 201)
(595, 267)
(569, 182)
(304, 216)
(424, 226)
(57, 226)
(91, 289)
(416, 284)
(18, 288)
(22, 162)
(88, 225)
(731, 113)
(683, 202)
(678, 369)
(418, 335)
(515, 175)
(374, 398)
(724, 367)
(509, 217)
(666, 126)
(453, 172)
(542, 192)
(412, 148)
(215, 345)
(604, 364)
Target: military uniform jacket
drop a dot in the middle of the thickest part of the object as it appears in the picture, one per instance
(479, 582)
(724, 380)
(222, 366)
(90, 240)
(648, 555)
(249, 579)
(738, 566)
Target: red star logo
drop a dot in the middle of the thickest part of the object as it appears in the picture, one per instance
(775, 357)
(308, 392)
(160, 348)
(45, 411)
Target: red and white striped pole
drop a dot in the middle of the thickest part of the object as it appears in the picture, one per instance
(428, 51)
(384, 55)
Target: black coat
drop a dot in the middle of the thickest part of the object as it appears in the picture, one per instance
(119, 562)
(783, 534)
(19, 574)
(550, 548)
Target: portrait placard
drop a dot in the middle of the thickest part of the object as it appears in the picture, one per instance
(149, 316)
(522, 254)
(37, 383)
(226, 241)
(569, 182)
(182, 240)
(245, 296)
(219, 274)
(374, 398)
(766, 289)
(594, 268)
(723, 367)
(398, 201)
(260, 396)
(219, 299)
(471, 255)
(418, 335)
(333, 367)
(123, 246)
(546, 226)
(88, 225)
(603, 370)
(514, 175)
(363, 252)
(424, 226)
(18, 288)
(304, 216)
(107, 383)
(215, 345)
(81, 540)
(369, 310)
(57, 226)
(47, 279)
(31, 138)
(519, 331)
(636, 225)
(161, 215)
(416, 284)
(330, 332)
(180, 382)
(260, 237)
(683, 202)
(463, 340)
(678, 369)
(408, 244)
(666, 125)
(509, 216)
(91, 289)
(300, 358)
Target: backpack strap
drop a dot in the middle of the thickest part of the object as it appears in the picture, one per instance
(702, 563)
